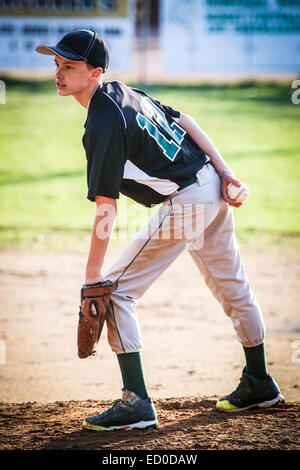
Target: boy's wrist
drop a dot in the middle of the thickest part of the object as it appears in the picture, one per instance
(89, 281)
(92, 278)
(226, 172)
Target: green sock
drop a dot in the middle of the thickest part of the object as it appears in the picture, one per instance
(256, 364)
(132, 373)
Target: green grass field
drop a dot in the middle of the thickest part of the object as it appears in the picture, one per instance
(43, 187)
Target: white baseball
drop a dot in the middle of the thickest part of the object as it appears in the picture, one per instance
(238, 193)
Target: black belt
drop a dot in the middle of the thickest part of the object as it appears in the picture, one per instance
(188, 183)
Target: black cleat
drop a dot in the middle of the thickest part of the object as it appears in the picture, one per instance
(129, 412)
(250, 393)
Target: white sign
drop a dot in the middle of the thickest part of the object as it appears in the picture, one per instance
(230, 36)
(19, 37)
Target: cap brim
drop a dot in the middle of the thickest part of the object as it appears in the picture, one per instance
(62, 51)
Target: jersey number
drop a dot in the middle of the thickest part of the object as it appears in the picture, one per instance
(170, 147)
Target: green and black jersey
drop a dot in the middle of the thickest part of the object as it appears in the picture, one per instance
(135, 146)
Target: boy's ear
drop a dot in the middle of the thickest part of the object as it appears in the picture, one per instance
(96, 73)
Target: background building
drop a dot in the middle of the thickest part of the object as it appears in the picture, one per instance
(155, 40)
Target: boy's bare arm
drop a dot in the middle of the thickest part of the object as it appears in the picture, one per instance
(106, 210)
(200, 137)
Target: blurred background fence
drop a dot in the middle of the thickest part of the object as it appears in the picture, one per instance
(160, 40)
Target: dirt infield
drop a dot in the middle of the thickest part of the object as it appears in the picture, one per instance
(184, 423)
(191, 357)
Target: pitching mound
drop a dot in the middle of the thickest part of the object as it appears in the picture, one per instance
(184, 423)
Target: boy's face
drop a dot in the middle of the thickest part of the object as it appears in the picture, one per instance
(71, 77)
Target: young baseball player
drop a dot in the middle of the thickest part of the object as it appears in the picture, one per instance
(156, 155)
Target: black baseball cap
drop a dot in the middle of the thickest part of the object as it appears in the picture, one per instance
(82, 46)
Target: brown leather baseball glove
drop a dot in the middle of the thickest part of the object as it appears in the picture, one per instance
(95, 303)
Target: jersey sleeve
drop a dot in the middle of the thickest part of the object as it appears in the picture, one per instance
(105, 152)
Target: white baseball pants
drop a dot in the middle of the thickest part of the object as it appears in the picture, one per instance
(198, 219)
